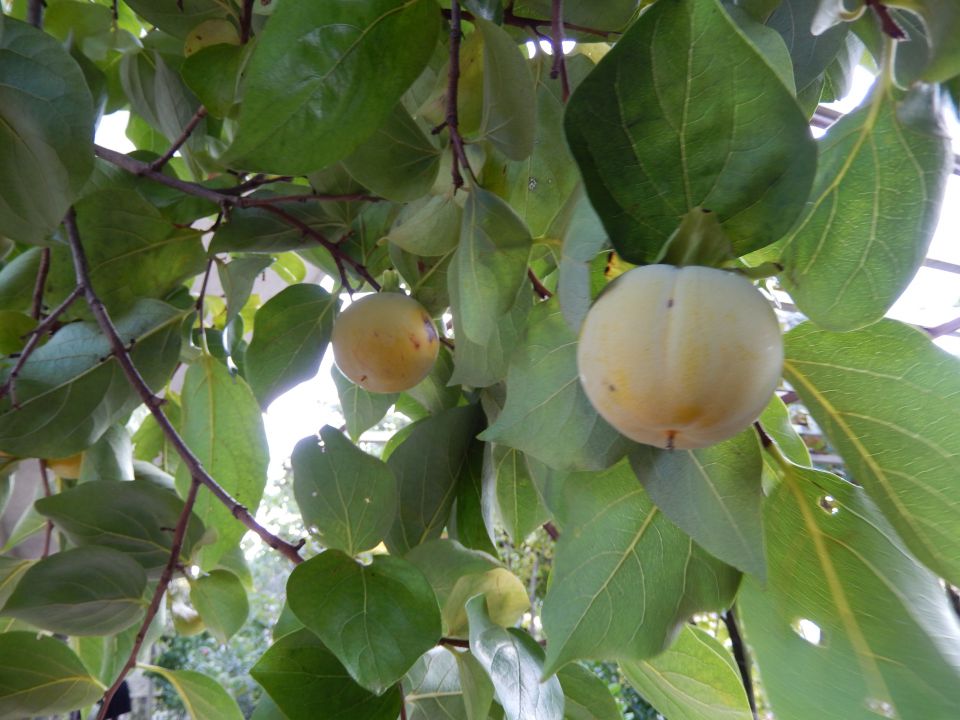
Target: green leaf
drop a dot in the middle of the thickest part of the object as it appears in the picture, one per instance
(583, 240)
(429, 226)
(46, 132)
(221, 600)
(290, 334)
(615, 542)
(489, 266)
(109, 458)
(307, 682)
(132, 517)
(457, 573)
(547, 414)
(586, 696)
(768, 43)
(884, 396)
(714, 495)
(296, 115)
(873, 210)
(398, 161)
(213, 75)
(695, 679)
(177, 19)
(11, 570)
(42, 676)
(151, 445)
(361, 409)
(203, 697)
(237, 278)
(469, 523)
(941, 22)
(69, 394)
(485, 364)
(427, 465)
(17, 279)
(432, 688)
(516, 497)
(132, 250)
(435, 393)
(84, 591)
(257, 230)
(606, 15)
(347, 497)
(515, 664)
(377, 619)
(850, 625)
(15, 328)
(509, 109)
(683, 113)
(223, 427)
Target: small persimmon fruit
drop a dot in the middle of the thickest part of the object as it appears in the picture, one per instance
(680, 357)
(385, 342)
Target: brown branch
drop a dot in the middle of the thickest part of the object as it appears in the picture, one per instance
(203, 288)
(142, 169)
(887, 23)
(258, 180)
(191, 125)
(333, 248)
(538, 286)
(38, 287)
(178, 534)
(403, 702)
(9, 386)
(454, 642)
(153, 403)
(246, 18)
(307, 197)
(559, 68)
(789, 397)
(48, 532)
(951, 326)
(35, 13)
(765, 439)
(740, 655)
(552, 531)
(509, 18)
(453, 81)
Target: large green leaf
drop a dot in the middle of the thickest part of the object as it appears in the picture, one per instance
(11, 570)
(586, 696)
(514, 494)
(361, 409)
(429, 226)
(695, 679)
(509, 94)
(347, 497)
(17, 278)
(485, 364)
(427, 465)
(132, 250)
(609, 15)
(300, 111)
(307, 682)
(377, 618)
(457, 573)
(885, 396)
(398, 161)
(71, 389)
(873, 210)
(713, 495)
(132, 517)
(221, 600)
(202, 696)
(682, 113)
(177, 19)
(582, 242)
(850, 625)
(515, 664)
(625, 579)
(221, 423)
(489, 266)
(432, 688)
(46, 132)
(42, 676)
(290, 334)
(548, 415)
(237, 278)
(84, 591)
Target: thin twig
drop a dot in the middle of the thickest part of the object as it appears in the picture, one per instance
(38, 286)
(154, 403)
(246, 18)
(178, 534)
(35, 13)
(9, 386)
(308, 197)
(143, 169)
(191, 125)
(45, 481)
(509, 18)
(559, 68)
(789, 397)
(740, 655)
(258, 180)
(453, 81)
(887, 23)
(765, 439)
(538, 286)
(552, 531)
(403, 702)
(454, 642)
(951, 326)
(203, 288)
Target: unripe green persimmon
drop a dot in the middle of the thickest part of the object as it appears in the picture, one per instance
(385, 342)
(680, 357)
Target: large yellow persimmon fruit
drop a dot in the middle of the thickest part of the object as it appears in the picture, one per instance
(385, 342)
(680, 357)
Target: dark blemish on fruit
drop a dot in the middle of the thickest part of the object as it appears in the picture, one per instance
(363, 378)
(413, 339)
(670, 303)
(612, 388)
(671, 434)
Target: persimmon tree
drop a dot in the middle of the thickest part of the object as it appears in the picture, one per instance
(414, 146)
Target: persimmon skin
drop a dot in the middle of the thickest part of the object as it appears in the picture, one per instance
(385, 342)
(680, 357)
